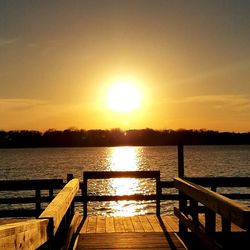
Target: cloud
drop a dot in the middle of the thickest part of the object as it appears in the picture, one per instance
(236, 102)
(6, 41)
(20, 104)
(45, 47)
(221, 70)
(38, 114)
(50, 46)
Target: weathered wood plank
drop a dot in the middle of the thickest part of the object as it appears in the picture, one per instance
(137, 224)
(59, 205)
(101, 224)
(145, 224)
(154, 222)
(128, 226)
(85, 225)
(170, 224)
(110, 226)
(128, 241)
(29, 234)
(174, 222)
(92, 224)
(119, 227)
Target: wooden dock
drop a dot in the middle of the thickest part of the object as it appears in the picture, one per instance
(137, 232)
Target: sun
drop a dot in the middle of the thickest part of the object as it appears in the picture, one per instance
(123, 97)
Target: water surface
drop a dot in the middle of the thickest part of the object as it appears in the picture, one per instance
(58, 162)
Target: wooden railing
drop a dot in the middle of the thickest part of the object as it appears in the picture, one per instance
(49, 230)
(43, 191)
(40, 192)
(159, 195)
(58, 215)
(224, 182)
(213, 203)
(155, 175)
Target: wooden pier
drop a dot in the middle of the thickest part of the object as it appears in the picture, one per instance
(204, 219)
(137, 232)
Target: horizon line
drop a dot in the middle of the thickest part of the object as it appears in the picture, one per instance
(125, 130)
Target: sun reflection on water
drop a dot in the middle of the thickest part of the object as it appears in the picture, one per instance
(124, 159)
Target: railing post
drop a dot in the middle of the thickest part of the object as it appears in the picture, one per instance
(38, 201)
(226, 232)
(226, 225)
(194, 211)
(69, 177)
(158, 194)
(182, 198)
(183, 209)
(51, 194)
(210, 221)
(84, 196)
(181, 173)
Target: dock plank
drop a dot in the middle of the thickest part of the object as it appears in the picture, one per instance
(154, 222)
(92, 224)
(128, 226)
(136, 232)
(154, 240)
(101, 224)
(171, 223)
(137, 224)
(119, 227)
(145, 224)
(85, 225)
(110, 226)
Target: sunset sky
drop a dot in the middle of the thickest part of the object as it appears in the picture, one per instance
(188, 63)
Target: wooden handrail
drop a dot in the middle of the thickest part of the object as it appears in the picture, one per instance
(213, 182)
(31, 234)
(52, 184)
(60, 204)
(229, 209)
(220, 181)
(120, 174)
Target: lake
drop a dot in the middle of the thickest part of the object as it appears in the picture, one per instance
(58, 162)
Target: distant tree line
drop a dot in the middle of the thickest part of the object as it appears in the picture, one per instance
(118, 137)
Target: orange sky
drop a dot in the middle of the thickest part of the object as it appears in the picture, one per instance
(189, 60)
